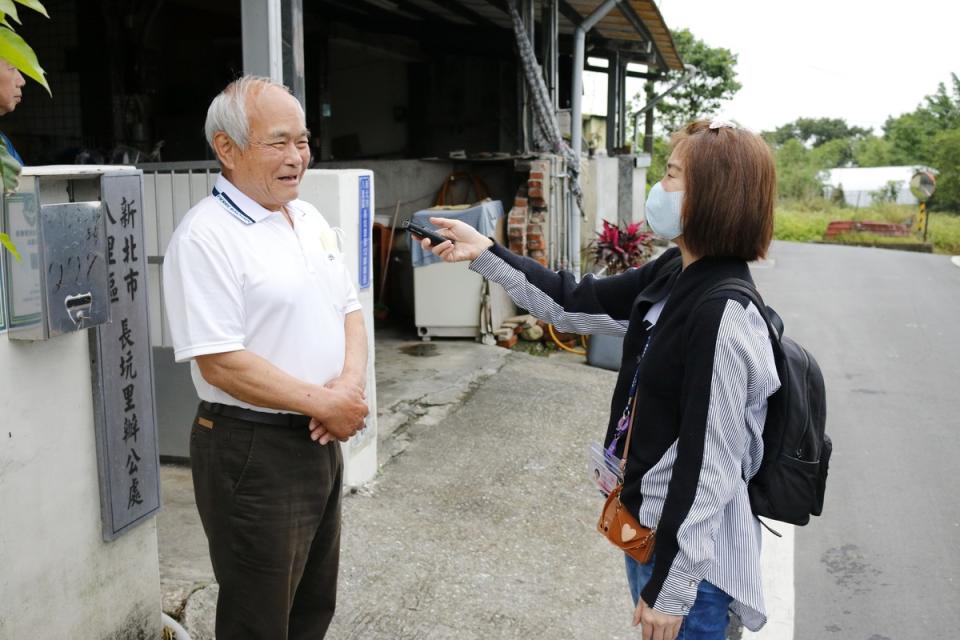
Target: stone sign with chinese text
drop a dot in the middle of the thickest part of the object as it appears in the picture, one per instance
(122, 368)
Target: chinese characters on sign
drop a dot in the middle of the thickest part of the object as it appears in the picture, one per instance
(366, 230)
(129, 462)
(129, 275)
(128, 373)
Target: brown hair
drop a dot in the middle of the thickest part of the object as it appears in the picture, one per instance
(730, 186)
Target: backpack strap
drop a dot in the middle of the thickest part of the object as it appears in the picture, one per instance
(739, 285)
(774, 327)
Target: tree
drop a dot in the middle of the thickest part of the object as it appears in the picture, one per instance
(944, 106)
(872, 151)
(18, 53)
(815, 132)
(797, 171)
(946, 158)
(714, 82)
(834, 153)
(911, 135)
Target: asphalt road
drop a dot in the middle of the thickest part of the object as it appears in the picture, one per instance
(883, 561)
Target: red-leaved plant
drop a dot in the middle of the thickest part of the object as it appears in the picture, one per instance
(618, 248)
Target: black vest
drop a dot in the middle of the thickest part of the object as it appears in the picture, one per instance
(663, 398)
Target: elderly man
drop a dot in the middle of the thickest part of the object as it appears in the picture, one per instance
(269, 319)
(11, 93)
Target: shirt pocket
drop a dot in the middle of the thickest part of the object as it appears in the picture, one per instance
(335, 278)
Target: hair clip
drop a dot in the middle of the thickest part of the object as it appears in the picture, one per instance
(722, 124)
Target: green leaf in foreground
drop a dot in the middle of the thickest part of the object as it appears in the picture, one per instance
(17, 52)
(10, 9)
(8, 243)
(36, 6)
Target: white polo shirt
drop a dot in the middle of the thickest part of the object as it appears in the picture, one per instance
(237, 276)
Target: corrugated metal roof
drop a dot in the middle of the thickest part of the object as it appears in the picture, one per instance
(616, 26)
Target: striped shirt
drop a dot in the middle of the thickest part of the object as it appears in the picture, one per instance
(702, 393)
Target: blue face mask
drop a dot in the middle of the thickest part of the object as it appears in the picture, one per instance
(663, 212)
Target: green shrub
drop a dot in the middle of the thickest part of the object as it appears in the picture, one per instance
(806, 220)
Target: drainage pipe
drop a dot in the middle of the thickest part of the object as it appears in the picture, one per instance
(576, 117)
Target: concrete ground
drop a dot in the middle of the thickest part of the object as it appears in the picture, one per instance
(481, 521)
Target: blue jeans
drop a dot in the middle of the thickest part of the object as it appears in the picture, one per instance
(709, 615)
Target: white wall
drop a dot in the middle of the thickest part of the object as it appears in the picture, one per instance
(335, 194)
(59, 579)
(598, 179)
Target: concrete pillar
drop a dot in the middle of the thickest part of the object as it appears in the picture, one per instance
(292, 45)
(550, 16)
(61, 578)
(261, 29)
(272, 32)
(614, 98)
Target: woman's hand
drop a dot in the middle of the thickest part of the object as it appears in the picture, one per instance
(468, 243)
(655, 625)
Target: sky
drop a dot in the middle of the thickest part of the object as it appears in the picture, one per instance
(852, 59)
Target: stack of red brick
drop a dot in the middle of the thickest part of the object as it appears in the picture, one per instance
(527, 222)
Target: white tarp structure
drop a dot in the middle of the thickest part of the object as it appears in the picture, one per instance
(861, 184)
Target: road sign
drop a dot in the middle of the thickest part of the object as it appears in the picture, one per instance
(923, 184)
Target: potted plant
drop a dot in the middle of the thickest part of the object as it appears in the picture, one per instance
(621, 247)
(616, 249)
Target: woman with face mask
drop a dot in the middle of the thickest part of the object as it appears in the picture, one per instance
(694, 378)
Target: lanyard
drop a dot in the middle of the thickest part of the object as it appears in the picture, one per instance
(624, 422)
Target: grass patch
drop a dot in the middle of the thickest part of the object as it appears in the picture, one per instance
(537, 348)
(905, 243)
(806, 220)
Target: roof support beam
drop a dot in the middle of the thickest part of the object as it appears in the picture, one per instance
(570, 13)
(500, 4)
(643, 75)
(627, 10)
(466, 12)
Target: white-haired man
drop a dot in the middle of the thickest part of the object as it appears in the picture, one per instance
(270, 321)
(11, 93)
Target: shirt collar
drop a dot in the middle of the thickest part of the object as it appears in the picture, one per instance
(242, 206)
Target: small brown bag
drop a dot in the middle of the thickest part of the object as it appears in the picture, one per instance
(616, 522)
(623, 530)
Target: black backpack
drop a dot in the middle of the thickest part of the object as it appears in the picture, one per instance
(792, 479)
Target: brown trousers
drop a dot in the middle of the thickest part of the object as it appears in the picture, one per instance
(269, 500)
